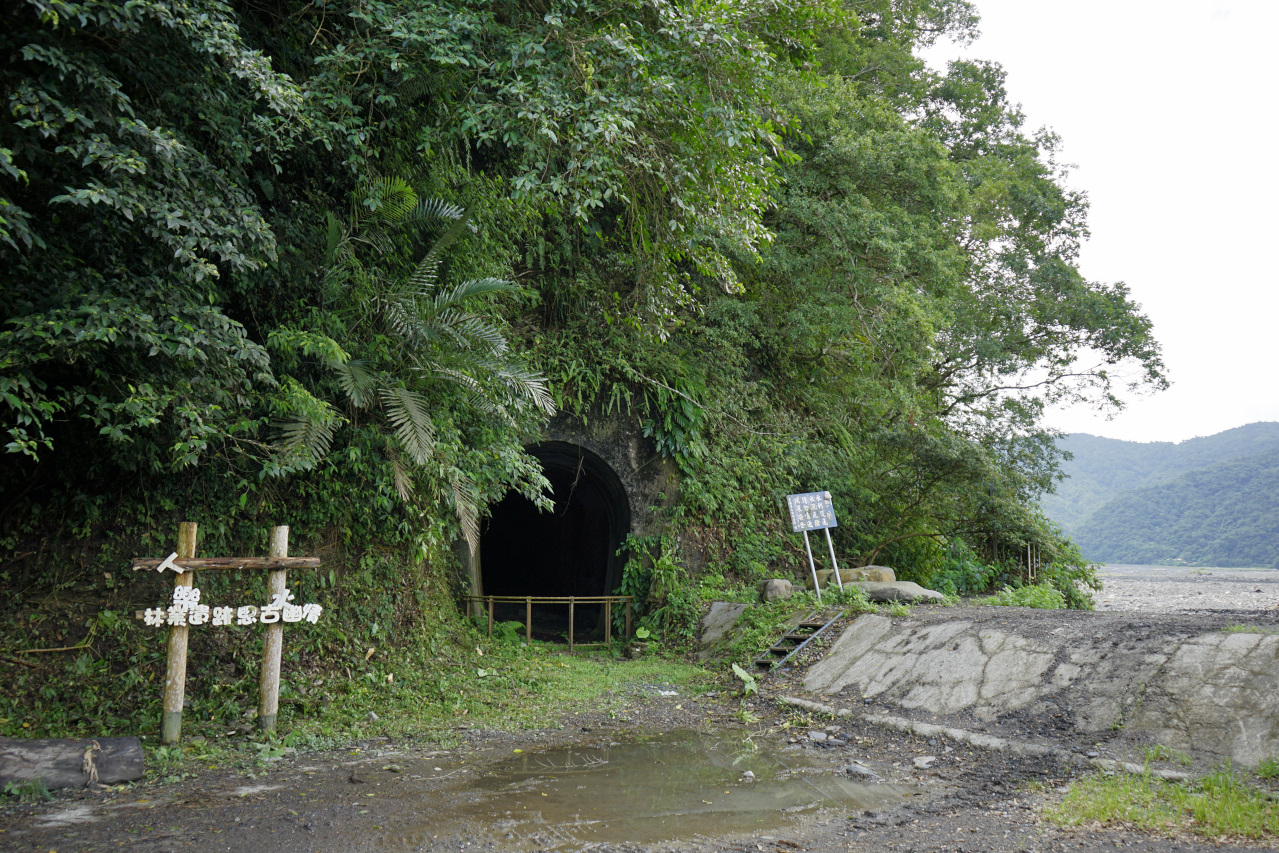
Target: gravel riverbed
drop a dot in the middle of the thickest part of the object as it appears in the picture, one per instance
(1163, 588)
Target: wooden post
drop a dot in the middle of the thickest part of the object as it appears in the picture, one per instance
(277, 581)
(528, 622)
(175, 677)
(571, 605)
(608, 621)
(628, 617)
(490, 615)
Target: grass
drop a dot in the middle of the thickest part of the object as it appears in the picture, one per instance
(1248, 629)
(30, 791)
(509, 686)
(1160, 752)
(1219, 805)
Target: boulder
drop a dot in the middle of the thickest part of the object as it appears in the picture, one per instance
(718, 626)
(899, 591)
(775, 589)
(875, 574)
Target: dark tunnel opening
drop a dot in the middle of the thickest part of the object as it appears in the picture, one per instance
(571, 551)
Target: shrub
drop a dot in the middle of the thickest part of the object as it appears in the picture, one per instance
(1037, 595)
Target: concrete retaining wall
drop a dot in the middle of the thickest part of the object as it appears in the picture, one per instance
(1193, 683)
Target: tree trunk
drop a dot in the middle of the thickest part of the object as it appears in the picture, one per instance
(71, 763)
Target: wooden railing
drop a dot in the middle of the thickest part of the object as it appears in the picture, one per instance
(572, 601)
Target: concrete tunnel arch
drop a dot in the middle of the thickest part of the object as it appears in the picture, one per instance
(571, 551)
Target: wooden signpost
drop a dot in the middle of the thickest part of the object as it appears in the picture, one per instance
(186, 610)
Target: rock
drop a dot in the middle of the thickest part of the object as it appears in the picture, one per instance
(718, 625)
(818, 737)
(775, 589)
(861, 771)
(875, 574)
(748, 776)
(899, 591)
(923, 762)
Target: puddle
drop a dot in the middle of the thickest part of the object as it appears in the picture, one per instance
(674, 786)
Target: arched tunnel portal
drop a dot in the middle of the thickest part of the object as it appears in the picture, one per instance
(570, 551)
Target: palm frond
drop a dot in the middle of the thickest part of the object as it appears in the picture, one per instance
(466, 331)
(304, 441)
(422, 279)
(530, 385)
(466, 503)
(432, 209)
(401, 476)
(356, 381)
(414, 429)
(384, 200)
(335, 236)
(475, 287)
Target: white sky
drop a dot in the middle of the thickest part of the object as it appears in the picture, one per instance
(1168, 111)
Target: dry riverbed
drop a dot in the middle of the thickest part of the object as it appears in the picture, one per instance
(675, 772)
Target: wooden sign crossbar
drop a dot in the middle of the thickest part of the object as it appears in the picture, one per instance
(185, 564)
(205, 564)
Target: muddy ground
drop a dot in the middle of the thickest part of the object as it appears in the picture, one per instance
(549, 794)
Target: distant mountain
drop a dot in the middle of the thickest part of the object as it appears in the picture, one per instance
(1223, 515)
(1205, 501)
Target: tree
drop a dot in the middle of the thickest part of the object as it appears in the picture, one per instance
(131, 136)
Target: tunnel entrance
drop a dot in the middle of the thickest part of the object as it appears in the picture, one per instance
(571, 551)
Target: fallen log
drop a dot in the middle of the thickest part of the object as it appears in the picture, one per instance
(71, 763)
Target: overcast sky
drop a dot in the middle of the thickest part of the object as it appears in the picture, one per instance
(1168, 112)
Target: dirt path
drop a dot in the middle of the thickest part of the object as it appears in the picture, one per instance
(522, 791)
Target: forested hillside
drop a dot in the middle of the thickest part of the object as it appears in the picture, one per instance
(1221, 515)
(1102, 469)
(335, 263)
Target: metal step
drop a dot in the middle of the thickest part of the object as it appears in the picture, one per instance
(794, 639)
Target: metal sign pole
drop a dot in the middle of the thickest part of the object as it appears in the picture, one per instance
(833, 563)
(817, 587)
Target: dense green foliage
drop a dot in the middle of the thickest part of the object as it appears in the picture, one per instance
(335, 263)
(1208, 501)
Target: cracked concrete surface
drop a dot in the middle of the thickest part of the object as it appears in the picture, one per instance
(1192, 682)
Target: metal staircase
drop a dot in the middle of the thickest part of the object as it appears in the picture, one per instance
(794, 639)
